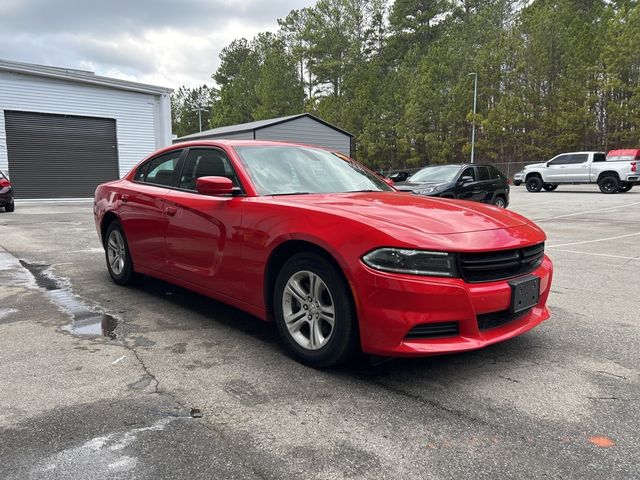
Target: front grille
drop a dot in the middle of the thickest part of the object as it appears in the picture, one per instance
(497, 319)
(434, 330)
(490, 266)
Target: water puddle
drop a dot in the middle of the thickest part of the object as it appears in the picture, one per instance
(86, 320)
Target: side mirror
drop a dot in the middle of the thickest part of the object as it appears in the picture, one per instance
(466, 179)
(214, 186)
(388, 181)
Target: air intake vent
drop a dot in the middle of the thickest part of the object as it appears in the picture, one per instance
(491, 266)
(434, 330)
(497, 319)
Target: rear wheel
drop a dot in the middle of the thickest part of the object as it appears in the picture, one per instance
(609, 184)
(534, 184)
(550, 187)
(10, 207)
(314, 311)
(500, 202)
(117, 254)
(625, 187)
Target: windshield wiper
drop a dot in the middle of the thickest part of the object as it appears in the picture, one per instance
(290, 193)
(359, 191)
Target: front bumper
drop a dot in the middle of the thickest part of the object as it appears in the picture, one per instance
(390, 305)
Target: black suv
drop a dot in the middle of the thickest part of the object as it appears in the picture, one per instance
(480, 183)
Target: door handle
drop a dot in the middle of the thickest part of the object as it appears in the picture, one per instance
(171, 211)
(124, 197)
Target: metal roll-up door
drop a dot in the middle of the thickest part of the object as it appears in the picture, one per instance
(59, 156)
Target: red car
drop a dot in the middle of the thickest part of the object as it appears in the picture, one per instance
(6, 193)
(325, 248)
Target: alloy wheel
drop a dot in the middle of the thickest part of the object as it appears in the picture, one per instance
(116, 252)
(309, 311)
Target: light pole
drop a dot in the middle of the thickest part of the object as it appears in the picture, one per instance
(473, 121)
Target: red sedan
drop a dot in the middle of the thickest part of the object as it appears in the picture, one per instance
(326, 249)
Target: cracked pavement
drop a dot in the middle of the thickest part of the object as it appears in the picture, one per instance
(561, 401)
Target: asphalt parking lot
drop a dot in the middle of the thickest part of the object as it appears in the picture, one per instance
(181, 386)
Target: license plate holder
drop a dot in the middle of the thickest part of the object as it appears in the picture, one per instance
(525, 293)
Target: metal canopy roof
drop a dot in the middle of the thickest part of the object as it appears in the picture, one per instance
(257, 125)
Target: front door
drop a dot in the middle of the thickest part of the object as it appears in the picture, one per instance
(556, 171)
(203, 241)
(471, 189)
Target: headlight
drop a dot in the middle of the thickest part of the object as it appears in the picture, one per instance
(425, 191)
(414, 262)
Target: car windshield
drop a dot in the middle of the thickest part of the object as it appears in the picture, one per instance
(442, 173)
(289, 170)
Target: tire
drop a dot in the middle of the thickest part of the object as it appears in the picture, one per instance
(625, 187)
(10, 207)
(609, 184)
(534, 184)
(549, 187)
(331, 345)
(517, 183)
(500, 202)
(116, 250)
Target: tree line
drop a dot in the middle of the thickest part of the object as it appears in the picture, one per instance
(553, 76)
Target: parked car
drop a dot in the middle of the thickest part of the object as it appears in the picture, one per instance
(399, 176)
(325, 248)
(518, 178)
(6, 193)
(583, 168)
(480, 183)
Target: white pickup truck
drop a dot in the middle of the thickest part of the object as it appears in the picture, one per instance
(612, 173)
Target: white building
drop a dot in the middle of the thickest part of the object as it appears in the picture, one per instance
(63, 131)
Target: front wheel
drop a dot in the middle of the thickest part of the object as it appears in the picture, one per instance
(314, 311)
(609, 184)
(625, 187)
(549, 187)
(117, 254)
(534, 184)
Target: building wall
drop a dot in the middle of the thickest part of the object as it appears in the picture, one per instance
(306, 130)
(143, 121)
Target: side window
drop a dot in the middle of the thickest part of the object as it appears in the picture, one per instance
(206, 163)
(162, 170)
(469, 172)
(599, 157)
(142, 172)
(561, 160)
(495, 173)
(483, 173)
(578, 158)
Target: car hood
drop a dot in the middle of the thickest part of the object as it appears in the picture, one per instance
(534, 165)
(409, 212)
(410, 186)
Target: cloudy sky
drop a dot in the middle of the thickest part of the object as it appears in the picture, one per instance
(162, 42)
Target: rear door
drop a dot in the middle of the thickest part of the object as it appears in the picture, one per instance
(486, 183)
(556, 170)
(577, 167)
(143, 212)
(204, 234)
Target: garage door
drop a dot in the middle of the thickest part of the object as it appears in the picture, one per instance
(59, 156)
